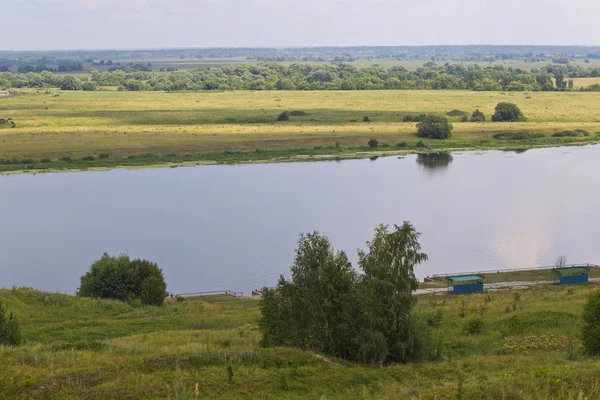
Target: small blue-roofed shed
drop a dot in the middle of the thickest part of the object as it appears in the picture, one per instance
(570, 275)
(465, 284)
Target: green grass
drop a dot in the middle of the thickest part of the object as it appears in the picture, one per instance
(230, 126)
(97, 349)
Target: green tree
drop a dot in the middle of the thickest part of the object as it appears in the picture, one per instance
(88, 86)
(154, 291)
(434, 127)
(591, 323)
(313, 310)
(477, 116)
(70, 83)
(386, 295)
(508, 112)
(10, 332)
(121, 278)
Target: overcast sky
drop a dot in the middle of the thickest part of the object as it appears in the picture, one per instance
(101, 24)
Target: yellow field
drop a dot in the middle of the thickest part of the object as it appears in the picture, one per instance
(76, 123)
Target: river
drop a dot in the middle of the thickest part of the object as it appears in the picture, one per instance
(236, 227)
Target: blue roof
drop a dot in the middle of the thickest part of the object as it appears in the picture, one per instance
(465, 278)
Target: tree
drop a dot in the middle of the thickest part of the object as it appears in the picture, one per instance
(591, 324)
(508, 112)
(123, 279)
(88, 86)
(10, 332)
(313, 310)
(561, 262)
(477, 116)
(70, 83)
(387, 294)
(434, 127)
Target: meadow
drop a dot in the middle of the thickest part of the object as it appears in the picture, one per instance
(204, 126)
(527, 348)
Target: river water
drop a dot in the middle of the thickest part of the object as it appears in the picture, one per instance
(236, 227)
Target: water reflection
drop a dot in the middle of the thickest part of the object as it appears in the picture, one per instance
(434, 161)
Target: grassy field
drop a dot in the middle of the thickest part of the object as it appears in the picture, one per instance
(77, 124)
(98, 349)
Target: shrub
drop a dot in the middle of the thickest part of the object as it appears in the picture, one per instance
(508, 112)
(591, 324)
(573, 133)
(513, 135)
(123, 279)
(104, 155)
(298, 113)
(180, 299)
(88, 158)
(420, 143)
(407, 118)
(401, 144)
(45, 160)
(434, 127)
(366, 119)
(284, 116)
(153, 291)
(477, 116)
(88, 86)
(474, 326)
(456, 113)
(373, 143)
(10, 332)
(464, 118)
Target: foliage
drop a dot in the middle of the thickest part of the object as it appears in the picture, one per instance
(373, 143)
(591, 324)
(477, 116)
(571, 133)
(474, 326)
(434, 127)
(88, 86)
(124, 279)
(284, 116)
(508, 112)
(70, 83)
(10, 332)
(464, 118)
(366, 119)
(327, 308)
(456, 113)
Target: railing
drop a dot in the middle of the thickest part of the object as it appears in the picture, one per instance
(213, 293)
(512, 270)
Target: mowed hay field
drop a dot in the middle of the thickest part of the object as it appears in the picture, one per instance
(527, 347)
(122, 123)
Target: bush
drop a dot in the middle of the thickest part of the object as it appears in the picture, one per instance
(104, 155)
(373, 143)
(284, 116)
(88, 86)
(153, 291)
(517, 135)
(123, 279)
(573, 133)
(10, 332)
(591, 324)
(407, 118)
(88, 158)
(456, 113)
(298, 113)
(434, 127)
(420, 143)
(401, 144)
(477, 116)
(464, 118)
(508, 112)
(474, 326)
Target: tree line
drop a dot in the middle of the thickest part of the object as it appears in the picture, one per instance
(271, 76)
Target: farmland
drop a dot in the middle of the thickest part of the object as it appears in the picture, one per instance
(242, 126)
(528, 347)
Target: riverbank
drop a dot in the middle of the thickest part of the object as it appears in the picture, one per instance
(109, 129)
(527, 347)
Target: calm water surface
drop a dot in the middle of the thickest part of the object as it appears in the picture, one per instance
(236, 227)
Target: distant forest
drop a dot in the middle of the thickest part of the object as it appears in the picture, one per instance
(441, 69)
(340, 54)
(304, 76)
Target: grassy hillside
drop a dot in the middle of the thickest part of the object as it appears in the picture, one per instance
(202, 126)
(98, 349)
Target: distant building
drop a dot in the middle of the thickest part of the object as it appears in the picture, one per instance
(3, 93)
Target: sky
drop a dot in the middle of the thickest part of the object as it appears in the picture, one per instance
(123, 24)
